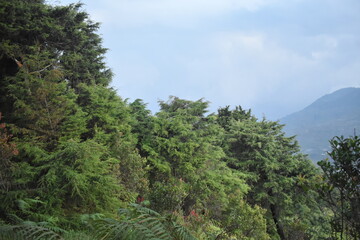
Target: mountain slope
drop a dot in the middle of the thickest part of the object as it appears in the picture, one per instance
(332, 115)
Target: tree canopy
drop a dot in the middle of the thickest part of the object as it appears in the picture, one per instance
(73, 152)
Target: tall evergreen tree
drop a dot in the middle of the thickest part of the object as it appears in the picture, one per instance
(142, 125)
(274, 165)
(187, 177)
(65, 32)
(72, 132)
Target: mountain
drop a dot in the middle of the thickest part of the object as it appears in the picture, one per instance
(332, 115)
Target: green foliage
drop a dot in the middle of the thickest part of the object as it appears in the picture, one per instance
(168, 195)
(107, 115)
(78, 176)
(243, 221)
(43, 107)
(142, 125)
(220, 211)
(76, 151)
(341, 188)
(181, 140)
(109, 123)
(28, 232)
(273, 164)
(7, 151)
(64, 31)
(139, 223)
(72, 150)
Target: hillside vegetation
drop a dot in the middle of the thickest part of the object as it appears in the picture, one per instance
(334, 114)
(79, 162)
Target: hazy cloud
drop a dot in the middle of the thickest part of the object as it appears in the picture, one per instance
(258, 71)
(134, 13)
(273, 56)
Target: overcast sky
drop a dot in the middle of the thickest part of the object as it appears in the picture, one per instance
(273, 56)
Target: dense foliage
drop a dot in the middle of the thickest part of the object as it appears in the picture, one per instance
(72, 152)
(342, 185)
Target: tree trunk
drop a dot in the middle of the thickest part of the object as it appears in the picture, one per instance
(279, 228)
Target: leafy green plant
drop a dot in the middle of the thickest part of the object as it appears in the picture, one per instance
(341, 187)
(27, 231)
(141, 223)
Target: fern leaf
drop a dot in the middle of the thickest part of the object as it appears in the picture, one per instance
(28, 232)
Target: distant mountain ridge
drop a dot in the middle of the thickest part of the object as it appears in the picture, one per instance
(332, 115)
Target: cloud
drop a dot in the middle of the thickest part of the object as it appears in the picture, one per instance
(259, 71)
(130, 13)
(257, 63)
(254, 69)
(273, 56)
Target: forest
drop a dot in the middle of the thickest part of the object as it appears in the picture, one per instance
(79, 162)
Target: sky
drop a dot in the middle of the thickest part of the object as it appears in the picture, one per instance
(272, 56)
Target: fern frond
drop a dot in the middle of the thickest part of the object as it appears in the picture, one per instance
(144, 210)
(182, 233)
(28, 232)
(112, 229)
(155, 225)
(51, 227)
(141, 223)
(15, 219)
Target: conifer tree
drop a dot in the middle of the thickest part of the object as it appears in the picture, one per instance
(51, 76)
(274, 165)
